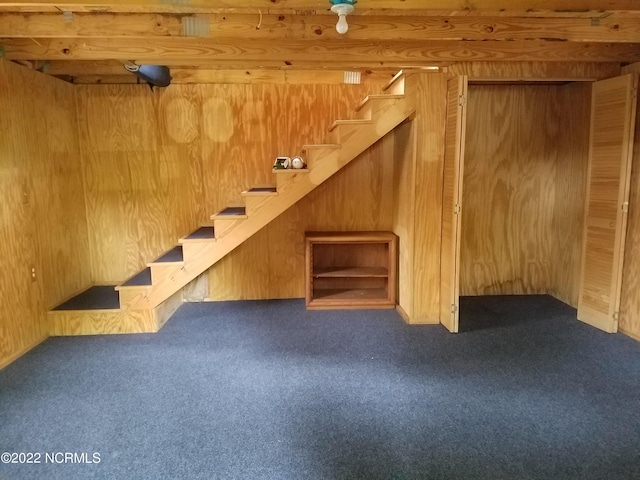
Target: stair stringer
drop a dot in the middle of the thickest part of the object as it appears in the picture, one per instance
(202, 256)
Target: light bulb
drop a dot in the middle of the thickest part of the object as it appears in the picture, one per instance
(342, 26)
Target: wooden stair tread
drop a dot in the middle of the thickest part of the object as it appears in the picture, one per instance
(172, 256)
(140, 279)
(231, 212)
(261, 191)
(348, 122)
(321, 145)
(202, 233)
(368, 98)
(104, 297)
(290, 170)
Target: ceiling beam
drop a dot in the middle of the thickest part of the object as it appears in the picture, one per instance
(114, 67)
(255, 77)
(290, 52)
(440, 7)
(113, 72)
(528, 71)
(82, 67)
(271, 27)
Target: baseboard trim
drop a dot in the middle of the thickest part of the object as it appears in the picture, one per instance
(403, 314)
(5, 362)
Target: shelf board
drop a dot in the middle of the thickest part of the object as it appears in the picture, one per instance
(346, 272)
(350, 294)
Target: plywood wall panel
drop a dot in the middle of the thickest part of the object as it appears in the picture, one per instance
(244, 274)
(570, 190)
(142, 161)
(519, 71)
(42, 213)
(404, 211)
(417, 199)
(428, 196)
(509, 190)
(525, 181)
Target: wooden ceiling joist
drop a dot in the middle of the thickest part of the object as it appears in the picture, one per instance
(114, 67)
(434, 7)
(476, 71)
(203, 76)
(290, 52)
(269, 27)
(88, 40)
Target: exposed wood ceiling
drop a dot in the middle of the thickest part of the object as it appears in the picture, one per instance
(88, 40)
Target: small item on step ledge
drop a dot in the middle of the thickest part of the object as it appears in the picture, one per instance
(281, 163)
(298, 163)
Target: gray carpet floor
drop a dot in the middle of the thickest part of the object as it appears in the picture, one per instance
(268, 390)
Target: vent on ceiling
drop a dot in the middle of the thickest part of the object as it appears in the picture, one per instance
(195, 27)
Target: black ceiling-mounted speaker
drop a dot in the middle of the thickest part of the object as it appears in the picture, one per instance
(154, 75)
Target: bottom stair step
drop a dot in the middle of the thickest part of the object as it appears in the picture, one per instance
(94, 298)
(115, 321)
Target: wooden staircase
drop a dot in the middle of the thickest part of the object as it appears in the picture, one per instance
(148, 298)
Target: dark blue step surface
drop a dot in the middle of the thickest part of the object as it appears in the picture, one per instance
(231, 211)
(263, 190)
(201, 234)
(141, 279)
(173, 255)
(94, 298)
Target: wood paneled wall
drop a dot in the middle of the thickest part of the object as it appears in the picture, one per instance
(570, 183)
(158, 164)
(404, 212)
(142, 164)
(42, 208)
(523, 194)
(417, 212)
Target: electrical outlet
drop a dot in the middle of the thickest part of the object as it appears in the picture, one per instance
(33, 273)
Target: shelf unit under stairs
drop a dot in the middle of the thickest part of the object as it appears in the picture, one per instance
(144, 302)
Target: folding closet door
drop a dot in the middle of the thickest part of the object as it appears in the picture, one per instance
(613, 109)
(451, 202)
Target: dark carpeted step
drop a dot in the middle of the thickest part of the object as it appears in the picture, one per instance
(262, 190)
(173, 255)
(232, 212)
(141, 279)
(202, 233)
(94, 298)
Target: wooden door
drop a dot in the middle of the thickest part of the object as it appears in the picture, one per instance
(613, 107)
(451, 202)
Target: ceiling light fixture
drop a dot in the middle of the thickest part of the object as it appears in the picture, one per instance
(154, 75)
(342, 8)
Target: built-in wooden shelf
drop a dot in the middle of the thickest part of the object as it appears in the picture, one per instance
(351, 270)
